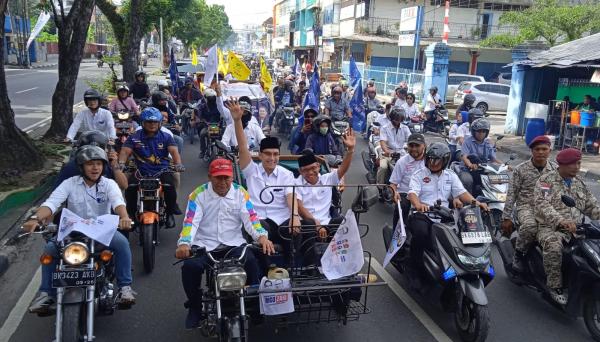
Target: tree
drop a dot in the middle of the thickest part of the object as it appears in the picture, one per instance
(553, 21)
(18, 151)
(204, 27)
(72, 34)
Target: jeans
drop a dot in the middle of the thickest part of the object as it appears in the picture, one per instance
(119, 245)
(471, 181)
(179, 142)
(169, 192)
(203, 140)
(192, 270)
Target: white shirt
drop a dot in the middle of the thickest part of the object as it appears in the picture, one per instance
(383, 120)
(86, 201)
(432, 101)
(395, 137)
(403, 171)
(452, 134)
(411, 111)
(225, 113)
(399, 103)
(211, 220)
(86, 121)
(463, 131)
(254, 135)
(431, 187)
(317, 199)
(273, 203)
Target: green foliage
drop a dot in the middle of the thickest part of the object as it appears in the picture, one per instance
(105, 84)
(553, 21)
(46, 37)
(507, 41)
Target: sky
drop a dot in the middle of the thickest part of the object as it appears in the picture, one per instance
(242, 12)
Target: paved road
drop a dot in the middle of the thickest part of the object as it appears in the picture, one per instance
(517, 314)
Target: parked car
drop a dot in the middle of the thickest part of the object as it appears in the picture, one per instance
(455, 79)
(490, 96)
(501, 77)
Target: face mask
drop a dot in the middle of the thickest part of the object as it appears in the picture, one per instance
(323, 130)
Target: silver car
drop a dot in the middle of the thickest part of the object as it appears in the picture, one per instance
(455, 79)
(490, 96)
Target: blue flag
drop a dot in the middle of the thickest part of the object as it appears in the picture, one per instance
(355, 75)
(358, 108)
(297, 68)
(173, 74)
(313, 97)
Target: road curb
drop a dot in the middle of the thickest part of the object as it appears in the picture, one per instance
(18, 197)
(3, 264)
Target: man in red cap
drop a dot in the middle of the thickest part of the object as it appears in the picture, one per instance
(214, 214)
(557, 222)
(519, 198)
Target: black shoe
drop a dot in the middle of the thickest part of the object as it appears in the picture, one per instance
(193, 318)
(518, 265)
(170, 222)
(177, 210)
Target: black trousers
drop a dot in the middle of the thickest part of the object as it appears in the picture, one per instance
(419, 230)
(169, 192)
(405, 205)
(310, 239)
(280, 234)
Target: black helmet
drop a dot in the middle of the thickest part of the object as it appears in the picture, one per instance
(140, 73)
(434, 88)
(480, 125)
(310, 110)
(289, 84)
(469, 99)
(92, 94)
(437, 150)
(320, 119)
(474, 114)
(397, 114)
(93, 138)
(159, 96)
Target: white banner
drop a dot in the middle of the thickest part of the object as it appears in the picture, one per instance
(101, 229)
(42, 20)
(344, 255)
(276, 303)
(212, 65)
(398, 239)
(408, 18)
(406, 39)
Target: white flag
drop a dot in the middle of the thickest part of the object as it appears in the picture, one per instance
(212, 66)
(39, 25)
(344, 255)
(101, 229)
(398, 239)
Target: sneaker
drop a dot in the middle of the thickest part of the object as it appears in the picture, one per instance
(126, 296)
(42, 304)
(559, 296)
(177, 210)
(193, 318)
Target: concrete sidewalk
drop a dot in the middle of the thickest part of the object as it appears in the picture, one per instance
(50, 63)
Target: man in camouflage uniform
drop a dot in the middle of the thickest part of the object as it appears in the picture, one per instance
(557, 222)
(519, 198)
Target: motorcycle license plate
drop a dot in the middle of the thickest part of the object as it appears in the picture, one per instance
(498, 179)
(123, 125)
(475, 237)
(74, 278)
(417, 128)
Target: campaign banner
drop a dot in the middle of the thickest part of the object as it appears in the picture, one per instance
(398, 239)
(41, 22)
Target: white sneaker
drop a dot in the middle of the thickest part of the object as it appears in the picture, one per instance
(127, 295)
(559, 296)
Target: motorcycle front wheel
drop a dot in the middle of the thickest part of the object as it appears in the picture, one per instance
(472, 321)
(73, 323)
(148, 247)
(591, 316)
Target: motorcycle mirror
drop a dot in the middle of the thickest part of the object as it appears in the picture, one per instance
(220, 145)
(568, 201)
(376, 124)
(512, 156)
(499, 137)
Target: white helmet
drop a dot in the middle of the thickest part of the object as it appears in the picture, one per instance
(163, 83)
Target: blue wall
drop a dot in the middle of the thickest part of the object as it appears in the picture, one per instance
(458, 67)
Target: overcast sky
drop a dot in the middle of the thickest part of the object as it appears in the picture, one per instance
(242, 12)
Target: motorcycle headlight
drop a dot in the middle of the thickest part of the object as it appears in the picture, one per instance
(231, 279)
(76, 253)
(123, 116)
(474, 262)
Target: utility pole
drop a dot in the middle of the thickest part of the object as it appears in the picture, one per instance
(162, 62)
(27, 30)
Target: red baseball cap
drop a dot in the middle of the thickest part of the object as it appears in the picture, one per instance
(221, 167)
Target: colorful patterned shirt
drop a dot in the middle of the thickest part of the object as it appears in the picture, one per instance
(211, 220)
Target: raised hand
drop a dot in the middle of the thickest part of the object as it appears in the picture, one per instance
(236, 110)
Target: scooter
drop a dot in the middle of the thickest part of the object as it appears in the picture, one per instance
(439, 123)
(287, 121)
(415, 125)
(370, 157)
(458, 263)
(581, 271)
(338, 129)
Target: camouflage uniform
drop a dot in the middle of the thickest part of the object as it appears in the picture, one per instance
(519, 200)
(550, 210)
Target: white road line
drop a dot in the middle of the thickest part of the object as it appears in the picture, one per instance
(16, 314)
(25, 73)
(26, 90)
(419, 313)
(30, 128)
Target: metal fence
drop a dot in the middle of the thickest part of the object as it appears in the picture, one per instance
(387, 79)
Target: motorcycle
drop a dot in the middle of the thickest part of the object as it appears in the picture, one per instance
(581, 271)
(370, 157)
(338, 129)
(287, 120)
(124, 127)
(151, 215)
(83, 279)
(439, 123)
(457, 261)
(215, 133)
(187, 111)
(415, 125)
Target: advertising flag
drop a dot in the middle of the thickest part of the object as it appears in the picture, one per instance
(237, 68)
(313, 97)
(212, 65)
(194, 57)
(398, 239)
(265, 75)
(222, 65)
(173, 74)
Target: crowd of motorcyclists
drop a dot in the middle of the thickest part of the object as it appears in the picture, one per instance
(422, 174)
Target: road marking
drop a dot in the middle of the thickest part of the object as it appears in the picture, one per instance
(16, 314)
(31, 128)
(26, 90)
(415, 308)
(25, 73)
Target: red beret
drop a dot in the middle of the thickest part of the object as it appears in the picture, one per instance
(542, 139)
(568, 156)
